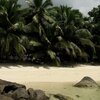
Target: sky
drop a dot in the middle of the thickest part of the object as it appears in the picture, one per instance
(83, 5)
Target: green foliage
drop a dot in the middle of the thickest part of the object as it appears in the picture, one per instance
(9, 24)
(53, 57)
(95, 22)
(83, 33)
(46, 34)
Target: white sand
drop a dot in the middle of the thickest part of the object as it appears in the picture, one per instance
(21, 74)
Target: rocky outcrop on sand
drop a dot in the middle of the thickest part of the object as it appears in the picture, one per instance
(14, 91)
(87, 82)
(6, 86)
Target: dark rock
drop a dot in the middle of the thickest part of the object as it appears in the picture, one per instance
(2, 97)
(32, 94)
(37, 94)
(6, 86)
(9, 88)
(40, 95)
(62, 97)
(20, 94)
(3, 82)
(14, 91)
(87, 82)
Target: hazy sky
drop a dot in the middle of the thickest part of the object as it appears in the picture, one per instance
(83, 5)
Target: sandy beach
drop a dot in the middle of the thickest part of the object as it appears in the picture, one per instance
(23, 74)
(54, 80)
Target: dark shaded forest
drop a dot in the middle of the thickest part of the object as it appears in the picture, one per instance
(47, 34)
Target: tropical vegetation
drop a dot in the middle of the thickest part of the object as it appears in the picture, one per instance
(47, 34)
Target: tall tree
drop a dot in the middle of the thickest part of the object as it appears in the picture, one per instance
(95, 22)
(9, 21)
(41, 27)
(72, 23)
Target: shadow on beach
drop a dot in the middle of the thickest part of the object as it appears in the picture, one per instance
(35, 65)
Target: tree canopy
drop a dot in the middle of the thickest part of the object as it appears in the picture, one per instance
(43, 33)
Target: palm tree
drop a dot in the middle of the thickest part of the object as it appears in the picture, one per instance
(46, 34)
(40, 28)
(10, 21)
(72, 23)
(84, 38)
(94, 14)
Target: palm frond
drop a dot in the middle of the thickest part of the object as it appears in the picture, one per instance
(20, 50)
(47, 3)
(88, 43)
(17, 26)
(35, 19)
(53, 57)
(71, 46)
(24, 40)
(37, 3)
(83, 33)
(34, 43)
(49, 19)
(62, 45)
(77, 50)
(51, 54)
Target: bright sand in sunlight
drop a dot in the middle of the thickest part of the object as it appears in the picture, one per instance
(24, 74)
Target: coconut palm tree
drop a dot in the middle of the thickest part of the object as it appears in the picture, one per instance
(94, 14)
(72, 23)
(46, 34)
(40, 28)
(10, 21)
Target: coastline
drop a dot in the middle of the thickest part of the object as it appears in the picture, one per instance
(21, 74)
